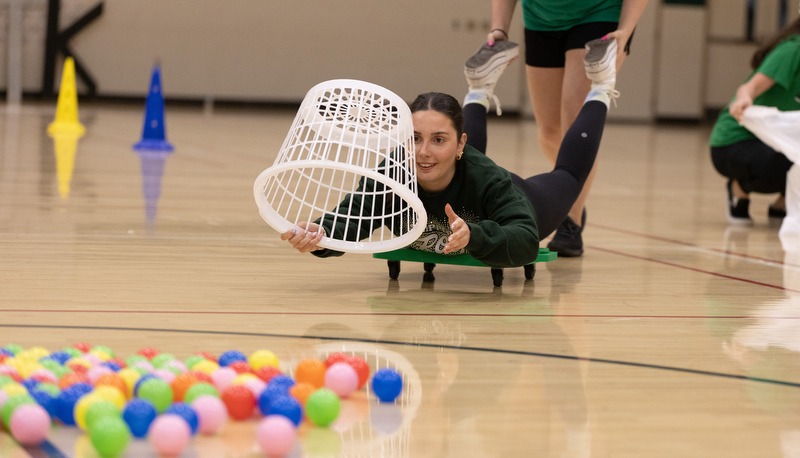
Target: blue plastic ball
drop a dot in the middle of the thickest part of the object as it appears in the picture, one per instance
(186, 412)
(47, 401)
(113, 365)
(287, 406)
(387, 384)
(61, 357)
(138, 414)
(283, 381)
(230, 357)
(30, 384)
(65, 404)
(7, 352)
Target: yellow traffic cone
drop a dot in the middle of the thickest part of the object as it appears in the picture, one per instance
(66, 121)
(65, 146)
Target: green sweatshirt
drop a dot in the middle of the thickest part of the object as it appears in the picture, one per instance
(501, 219)
(782, 65)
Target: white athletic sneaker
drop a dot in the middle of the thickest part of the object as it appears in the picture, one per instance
(484, 69)
(601, 66)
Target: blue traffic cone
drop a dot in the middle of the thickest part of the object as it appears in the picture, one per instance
(153, 133)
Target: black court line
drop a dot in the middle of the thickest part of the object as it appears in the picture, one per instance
(449, 347)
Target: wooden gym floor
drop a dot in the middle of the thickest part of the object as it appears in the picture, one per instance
(674, 335)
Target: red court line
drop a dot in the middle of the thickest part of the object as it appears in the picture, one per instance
(688, 244)
(483, 315)
(730, 277)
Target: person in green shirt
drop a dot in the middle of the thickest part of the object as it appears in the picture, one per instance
(473, 205)
(749, 164)
(555, 34)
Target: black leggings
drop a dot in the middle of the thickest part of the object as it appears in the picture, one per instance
(753, 164)
(552, 194)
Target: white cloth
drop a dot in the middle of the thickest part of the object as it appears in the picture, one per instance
(781, 131)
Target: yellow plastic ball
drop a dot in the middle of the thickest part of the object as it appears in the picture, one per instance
(130, 376)
(241, 379)
(263, 358)
(82, 406)
(110, 393)
(206, 366)
(103, 356)
(26, 369)
(14, 388)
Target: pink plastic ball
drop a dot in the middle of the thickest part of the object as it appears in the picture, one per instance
(169, 434)
(30, 424)
(223, 377)
(342, 379)
(276, 435)
(212, 414)
(44, 374)
(144, 365)
(164, 375)
(175, 364)
(93, 359)
(97, 372)
(256, 385)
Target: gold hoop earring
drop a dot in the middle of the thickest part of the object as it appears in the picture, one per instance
(460, 153)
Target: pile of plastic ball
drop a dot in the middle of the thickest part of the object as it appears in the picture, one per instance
(156, 397)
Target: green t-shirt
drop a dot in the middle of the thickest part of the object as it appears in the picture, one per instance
(782, 65)
(551, 15)
(502, 222)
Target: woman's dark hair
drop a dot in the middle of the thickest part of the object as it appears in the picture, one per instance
(443, 103)
(769, 45)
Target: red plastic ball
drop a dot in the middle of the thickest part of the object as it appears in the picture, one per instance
(202, 376)
(79, 368)
(148, 352)
(334, 358)
(207, 356)
(362, 369)
(239, 401)
(118, 362)
(242, 367)
(83, 347)
(266, 373)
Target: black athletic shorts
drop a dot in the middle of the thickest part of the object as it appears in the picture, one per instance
(548, 49)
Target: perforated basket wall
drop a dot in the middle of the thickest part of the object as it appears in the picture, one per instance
(349, 138)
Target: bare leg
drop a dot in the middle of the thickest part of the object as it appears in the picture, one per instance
(544, 87)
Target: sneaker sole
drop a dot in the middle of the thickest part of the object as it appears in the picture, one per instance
(597, 56)
(505, 57)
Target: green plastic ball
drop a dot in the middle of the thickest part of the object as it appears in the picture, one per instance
(322, 407)
(72, 351)
(6, 380)
(14, 348)
(162, 358)
(100, 409)
(192, 360)
(156, 391)
(11, 405)
(49, 388)
(109, 436)
(133, 359)
(199, 389)
(104, 349)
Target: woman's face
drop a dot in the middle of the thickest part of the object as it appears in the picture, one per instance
(437, 145)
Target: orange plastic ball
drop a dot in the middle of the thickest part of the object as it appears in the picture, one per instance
(71, 378)
(112, 380)
(311, 371)
(181, 384)
(301, 392)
